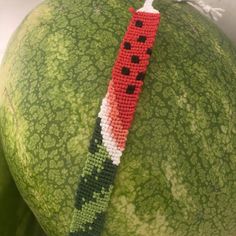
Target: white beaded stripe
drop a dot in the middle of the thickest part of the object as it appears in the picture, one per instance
(147, 7)
(106, 132)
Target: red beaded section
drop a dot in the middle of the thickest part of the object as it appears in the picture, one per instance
(129, 71)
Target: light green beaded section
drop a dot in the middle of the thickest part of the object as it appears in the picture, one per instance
(95, 160)
(89, 210)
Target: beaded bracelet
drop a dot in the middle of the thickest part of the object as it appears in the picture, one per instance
(113, 123)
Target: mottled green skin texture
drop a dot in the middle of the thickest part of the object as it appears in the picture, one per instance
(16, 219)
(178, 172)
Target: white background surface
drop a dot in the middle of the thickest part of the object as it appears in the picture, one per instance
(13, 11)
(228, 22)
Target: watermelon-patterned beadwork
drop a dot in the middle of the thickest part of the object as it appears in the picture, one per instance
(112, 125)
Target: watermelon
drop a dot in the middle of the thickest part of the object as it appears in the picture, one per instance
(178, 172)
(15, 216)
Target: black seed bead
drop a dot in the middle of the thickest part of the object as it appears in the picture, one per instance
(140, 76)
(125, 71)
(130, 89)
(149, 51)
(139, 23)
(142, 38)
(127, 45)
(135, 59)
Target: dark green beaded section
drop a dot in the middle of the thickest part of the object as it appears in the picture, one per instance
(94, 190)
